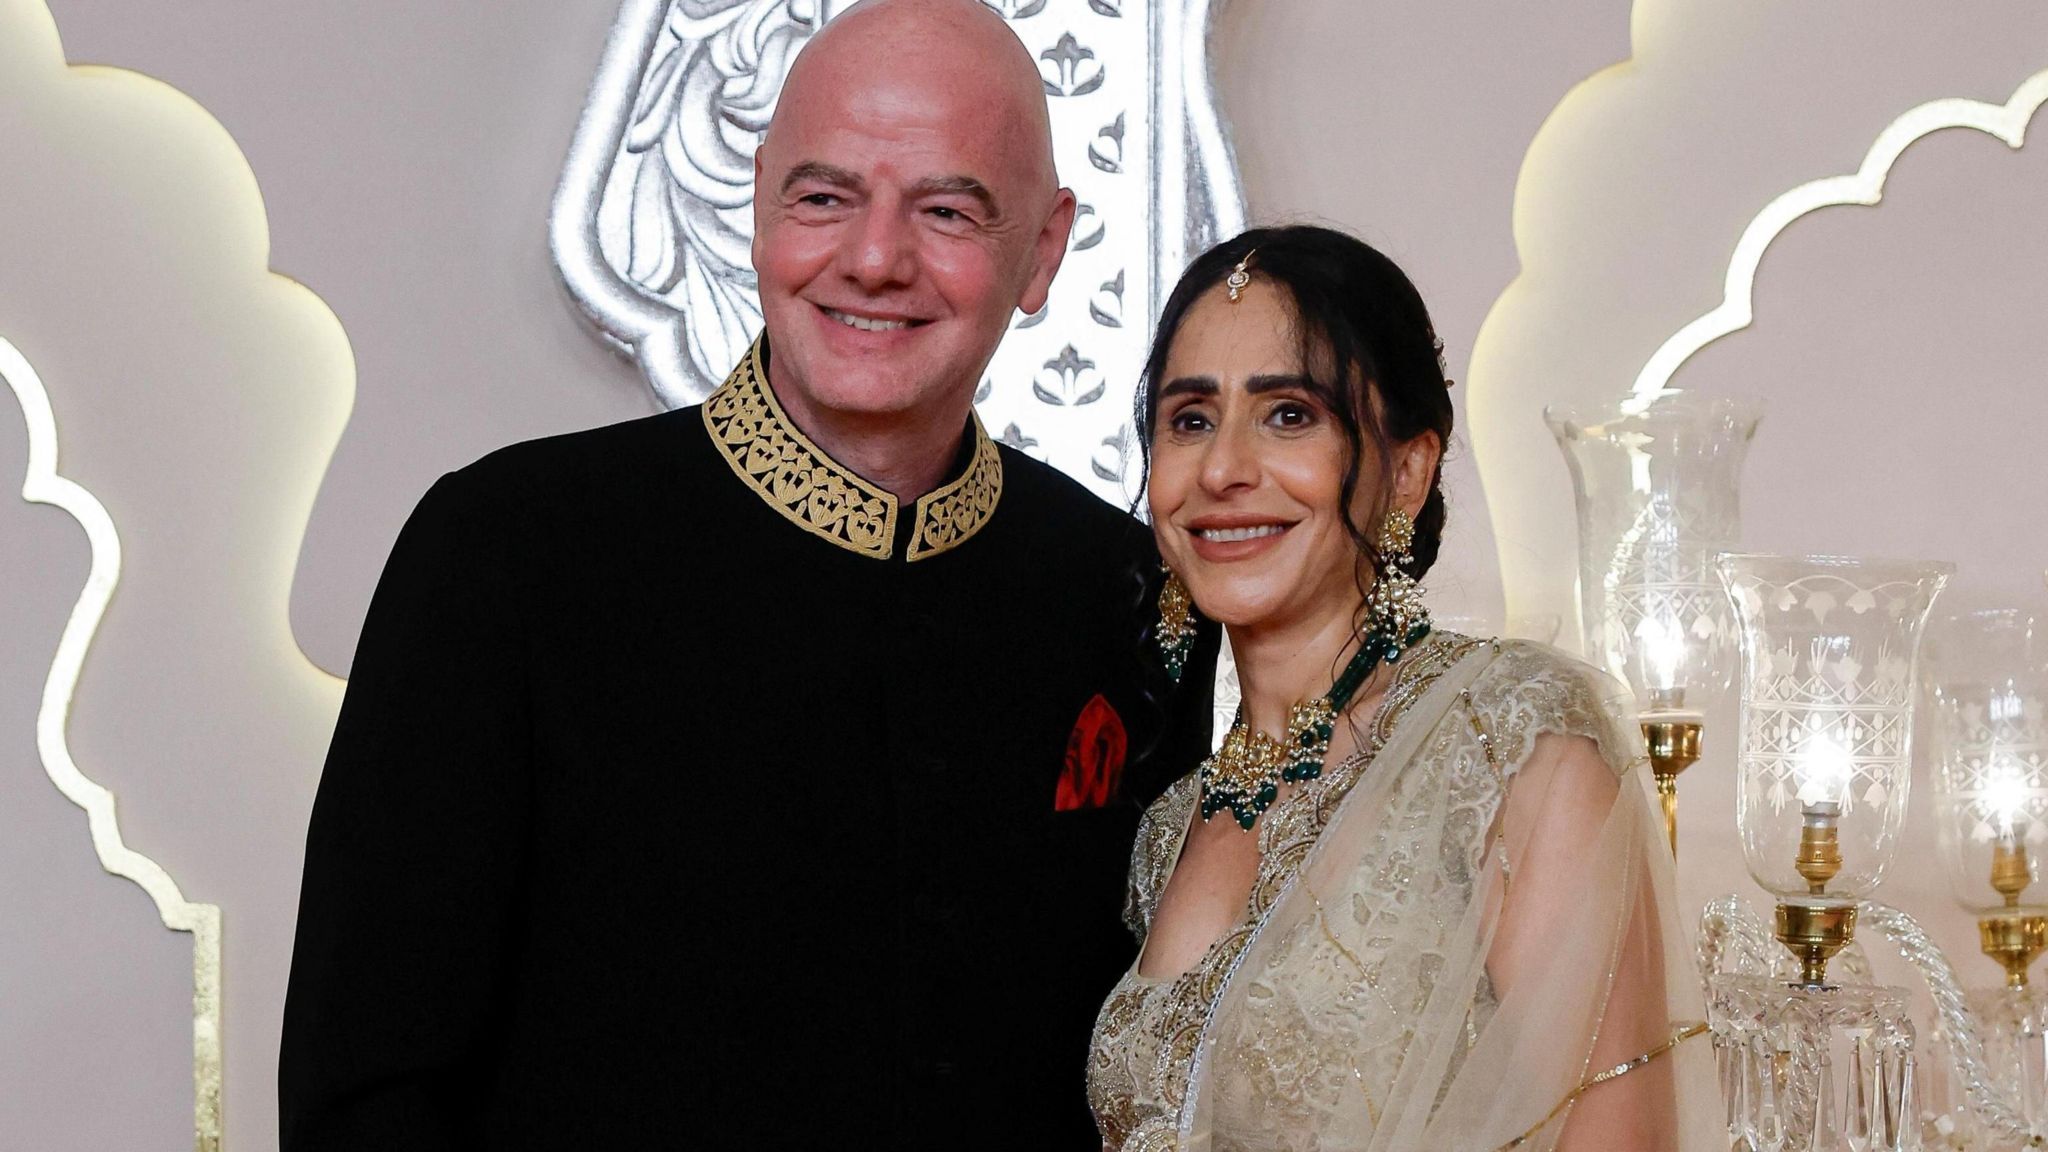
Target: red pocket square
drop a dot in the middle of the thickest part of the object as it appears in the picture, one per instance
(1095, 759)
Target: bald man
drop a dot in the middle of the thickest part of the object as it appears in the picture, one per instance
(761, 774)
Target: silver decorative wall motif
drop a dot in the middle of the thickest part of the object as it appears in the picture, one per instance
(653, 221)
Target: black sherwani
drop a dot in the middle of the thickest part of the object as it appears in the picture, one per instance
(690, 794)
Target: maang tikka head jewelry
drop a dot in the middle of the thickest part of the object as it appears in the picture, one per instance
(1240, 277)
(1176, 632)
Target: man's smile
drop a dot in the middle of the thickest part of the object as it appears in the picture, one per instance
(873, 323)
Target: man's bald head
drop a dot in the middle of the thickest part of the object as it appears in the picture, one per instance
(961, 45)
(905, 207)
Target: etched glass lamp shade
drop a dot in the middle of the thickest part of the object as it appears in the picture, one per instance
(1830, 660)
(1657, 481)
(1988, 699)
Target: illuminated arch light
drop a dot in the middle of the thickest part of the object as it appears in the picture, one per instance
(2007, 122)
(43, 484)
(285, 336)
(1531, 517)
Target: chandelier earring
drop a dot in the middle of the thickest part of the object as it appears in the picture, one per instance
(1176, 631)
(1394, 611)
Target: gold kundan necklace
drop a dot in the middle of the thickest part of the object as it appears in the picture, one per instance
(1245, 774)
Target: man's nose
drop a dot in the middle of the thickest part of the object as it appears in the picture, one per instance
(881, 249)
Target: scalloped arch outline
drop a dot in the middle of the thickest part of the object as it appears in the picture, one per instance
(2007, 122)
(43, 484)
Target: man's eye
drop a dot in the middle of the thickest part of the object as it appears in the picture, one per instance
(819, 199)
(945, 213)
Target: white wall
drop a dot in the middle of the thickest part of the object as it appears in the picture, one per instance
(405, 154)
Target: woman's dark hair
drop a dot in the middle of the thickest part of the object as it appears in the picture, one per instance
(1365, 335)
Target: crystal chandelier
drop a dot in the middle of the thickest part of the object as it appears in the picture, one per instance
(1829, 665)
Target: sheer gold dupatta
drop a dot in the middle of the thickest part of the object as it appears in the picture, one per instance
(1363, 1015)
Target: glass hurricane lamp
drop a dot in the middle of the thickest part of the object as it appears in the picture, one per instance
(1988, 698)
(1657, 482)
(1830, 649)
(1988, 690)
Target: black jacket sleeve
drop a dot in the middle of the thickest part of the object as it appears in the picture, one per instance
(414, 856)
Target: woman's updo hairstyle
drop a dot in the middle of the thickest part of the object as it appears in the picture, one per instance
(1364, 333)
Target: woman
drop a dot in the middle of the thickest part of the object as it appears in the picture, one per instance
(1417, 900)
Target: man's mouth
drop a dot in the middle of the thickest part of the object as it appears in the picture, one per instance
(869, 323)
(1228, 535)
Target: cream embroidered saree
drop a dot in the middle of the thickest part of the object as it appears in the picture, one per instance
(1353, 1008)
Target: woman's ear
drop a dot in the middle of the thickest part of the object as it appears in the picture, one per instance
(1415, 465)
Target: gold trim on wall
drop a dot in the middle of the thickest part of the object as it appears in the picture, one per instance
(2007, 122)
(42, 484)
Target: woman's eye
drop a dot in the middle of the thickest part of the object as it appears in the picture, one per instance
(1290, 415)
(1188, 420)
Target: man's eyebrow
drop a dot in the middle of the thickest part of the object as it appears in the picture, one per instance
(1190, 385)
(821, 173)
(960, 185)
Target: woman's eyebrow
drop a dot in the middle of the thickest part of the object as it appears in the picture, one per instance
(1277, 382)
(1196, 385)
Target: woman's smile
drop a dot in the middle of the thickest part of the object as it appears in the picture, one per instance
(1222, 540)
(1248, 466)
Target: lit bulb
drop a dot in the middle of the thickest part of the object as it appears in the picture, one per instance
(1824, 771)
(2005, 796)
(1662, 643)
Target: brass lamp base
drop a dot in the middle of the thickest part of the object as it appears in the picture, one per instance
(1814, 934)
(1673, 746)
(2013, 939)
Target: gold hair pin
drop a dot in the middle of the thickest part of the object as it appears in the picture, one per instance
(1240, 277)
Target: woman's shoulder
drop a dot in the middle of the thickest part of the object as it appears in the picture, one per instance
(1160, 828)
(1157, 849)
(1531, 689)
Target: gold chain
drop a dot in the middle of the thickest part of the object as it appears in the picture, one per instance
(1679, 1035)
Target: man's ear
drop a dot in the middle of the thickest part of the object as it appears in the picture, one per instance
(1047, 251)
(754, 248)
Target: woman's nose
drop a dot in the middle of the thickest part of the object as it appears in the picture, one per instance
(1230, 459)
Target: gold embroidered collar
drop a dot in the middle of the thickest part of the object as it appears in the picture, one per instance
(823, 497)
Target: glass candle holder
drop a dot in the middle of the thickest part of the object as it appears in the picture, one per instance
(1830, 651)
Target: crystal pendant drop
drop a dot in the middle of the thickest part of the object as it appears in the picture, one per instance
(1907, 1105)
(1822, 1137)
(1902, 1117)
(1857, 1104)
(1770, 1118)
(1730, 1062)
(1747, 1096)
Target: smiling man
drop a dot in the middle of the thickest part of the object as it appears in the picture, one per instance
(754, 775)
